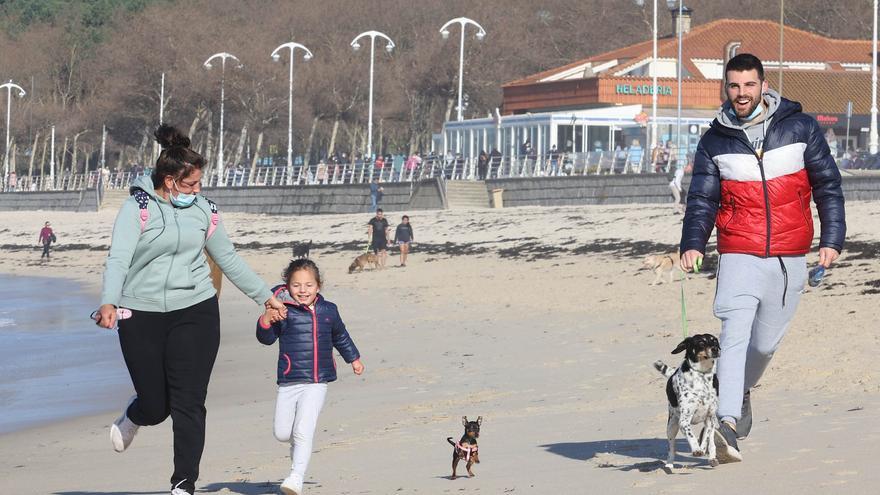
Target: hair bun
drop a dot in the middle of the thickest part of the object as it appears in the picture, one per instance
(170, 137)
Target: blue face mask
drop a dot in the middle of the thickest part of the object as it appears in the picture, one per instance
(182, 200)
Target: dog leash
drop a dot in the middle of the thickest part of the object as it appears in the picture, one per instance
(684, 323)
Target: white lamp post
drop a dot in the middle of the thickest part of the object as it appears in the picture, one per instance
(222, 56)
(389, 47)
(872, 136)
(481, 33)
(162, 101)
(276, 56)
(671, 4)
(9, 85)
(52, 161)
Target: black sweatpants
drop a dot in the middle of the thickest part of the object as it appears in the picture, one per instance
(170, 357)
(45, 250)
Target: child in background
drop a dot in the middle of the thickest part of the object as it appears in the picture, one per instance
(403, 236)
(306, 364)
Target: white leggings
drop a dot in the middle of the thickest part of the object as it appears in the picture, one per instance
(296, 416)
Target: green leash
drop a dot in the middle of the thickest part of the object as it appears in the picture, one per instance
(684, 322)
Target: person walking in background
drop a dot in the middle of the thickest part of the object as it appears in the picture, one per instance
(675, 186)
(376, 192)
(482, 165)
(412, 164)
(169, 329)
(47, 237)
(306, 337)
(377, 230)
(403, 236)
(754, 172)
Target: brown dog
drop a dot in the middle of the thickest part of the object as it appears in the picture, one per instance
(660, 264)
(466, 448)
(362, 261)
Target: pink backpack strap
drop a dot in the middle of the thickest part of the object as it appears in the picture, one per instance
(143, 199)
(215, 219)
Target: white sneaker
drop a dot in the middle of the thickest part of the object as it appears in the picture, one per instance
(122, 431)
(292, 485)
(180, 491)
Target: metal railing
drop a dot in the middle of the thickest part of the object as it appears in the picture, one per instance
(448, 168)
(359, 172)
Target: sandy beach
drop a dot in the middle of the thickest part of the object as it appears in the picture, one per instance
(540, 320)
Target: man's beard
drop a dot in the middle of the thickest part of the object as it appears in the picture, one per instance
(748, 112)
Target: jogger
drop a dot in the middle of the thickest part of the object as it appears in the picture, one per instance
(755, 301)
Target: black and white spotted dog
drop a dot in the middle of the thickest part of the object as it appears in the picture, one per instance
(692, 390)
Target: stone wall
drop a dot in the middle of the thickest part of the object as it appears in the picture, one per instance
(86, 200)
(335, 198)
(623, 189)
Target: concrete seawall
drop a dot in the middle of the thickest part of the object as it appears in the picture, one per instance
(424, 195)
(327, 199)
(86, 200)
(623, 189)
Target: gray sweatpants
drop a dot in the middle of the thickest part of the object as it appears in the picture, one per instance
(755, 300)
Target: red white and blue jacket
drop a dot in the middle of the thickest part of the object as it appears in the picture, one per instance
(306, 339)
(760, 203)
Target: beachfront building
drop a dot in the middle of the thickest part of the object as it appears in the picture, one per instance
(603, 103)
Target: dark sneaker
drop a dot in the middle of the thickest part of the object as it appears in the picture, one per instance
(725, 444)
(744, 424)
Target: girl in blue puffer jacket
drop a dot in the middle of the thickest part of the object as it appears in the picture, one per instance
(306, 337)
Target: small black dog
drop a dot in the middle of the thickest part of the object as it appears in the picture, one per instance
(302, 249)
(466, 448)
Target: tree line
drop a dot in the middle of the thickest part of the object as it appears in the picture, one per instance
(90, 63)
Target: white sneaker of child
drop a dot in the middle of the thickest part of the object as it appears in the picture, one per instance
(122, 431)
(292, 485)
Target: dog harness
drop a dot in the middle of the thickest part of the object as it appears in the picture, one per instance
(466, 450)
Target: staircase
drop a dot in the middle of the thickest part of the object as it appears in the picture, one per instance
(113, 199)
(462, 195)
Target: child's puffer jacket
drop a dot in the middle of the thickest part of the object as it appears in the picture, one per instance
(306, 340)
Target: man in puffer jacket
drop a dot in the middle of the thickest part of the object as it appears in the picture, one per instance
(754, 173)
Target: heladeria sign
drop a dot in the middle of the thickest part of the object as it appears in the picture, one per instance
(642, 89)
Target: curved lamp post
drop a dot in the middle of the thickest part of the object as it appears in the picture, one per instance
(276, 56)
(389, 47)
(8, 86)
(222, 56)
(481, 33)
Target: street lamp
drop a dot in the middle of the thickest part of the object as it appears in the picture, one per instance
(276, 56)
(444, 31)
(9, 85)
(222, 56)
(389, 47)
(872, 136)
(641, 3)
(671, 5)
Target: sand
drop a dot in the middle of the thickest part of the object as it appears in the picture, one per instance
(540, 320)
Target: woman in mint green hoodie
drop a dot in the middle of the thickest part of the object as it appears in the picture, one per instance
(157, 279)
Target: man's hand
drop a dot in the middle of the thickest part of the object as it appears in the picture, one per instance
(357, 366)
(689, 258)
(827, 256)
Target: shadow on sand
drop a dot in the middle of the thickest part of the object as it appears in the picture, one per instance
(650, 452)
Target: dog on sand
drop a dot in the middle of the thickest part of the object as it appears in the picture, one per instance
(662, 264)
(466, 449)
(692, 392)
(362, 261)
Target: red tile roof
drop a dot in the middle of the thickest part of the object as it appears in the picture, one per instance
(825, 92)
(707, 41)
